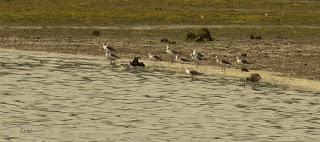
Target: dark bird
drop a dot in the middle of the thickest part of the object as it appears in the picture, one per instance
(255, 37)
(244, 55)
(242, 61)
(244, 69)
(135, 62)
(254, 78)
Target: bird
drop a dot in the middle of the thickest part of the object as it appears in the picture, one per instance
(112, 57)
(253, 78)
(244, 55)
(222, 63)
(154, 58)
(241, 61)
(172, 53)
(182, 60)
(193, 73)
(135, 62)
(244, 69)
(108, 48)
(197, 56)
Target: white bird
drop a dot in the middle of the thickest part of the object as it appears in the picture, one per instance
(193, 73)
(182, 60)
(108, 48)
(112, 57)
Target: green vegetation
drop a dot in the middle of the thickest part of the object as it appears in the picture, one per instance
(154, 12)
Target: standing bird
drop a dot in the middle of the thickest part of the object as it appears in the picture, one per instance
(197, 56)
(108, 48)
(154, 58)
(182, 60)
(222, 63)
(254, 79)
(241, 61)
(193, 73)
(112, 57)
(172, 53)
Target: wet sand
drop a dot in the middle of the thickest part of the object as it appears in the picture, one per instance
(62, 97)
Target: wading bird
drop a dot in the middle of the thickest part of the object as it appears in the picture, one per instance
(172, 53)
(154, 58)
(254, 78)
(197, 56)
(108, 48)
(112, 57)
(193, 73)
(222, 63)
(182, 60)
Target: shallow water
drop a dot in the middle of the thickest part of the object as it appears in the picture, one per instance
(74, 98)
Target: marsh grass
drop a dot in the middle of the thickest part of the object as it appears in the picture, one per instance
(154, 12)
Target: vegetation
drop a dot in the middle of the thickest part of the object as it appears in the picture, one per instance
(154, 12)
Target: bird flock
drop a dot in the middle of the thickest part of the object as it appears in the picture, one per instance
(177, 57)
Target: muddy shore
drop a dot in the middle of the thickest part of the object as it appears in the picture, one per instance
(292, 51)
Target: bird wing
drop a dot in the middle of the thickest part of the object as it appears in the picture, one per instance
(185, 59)
(111, 48)
(157, 57)
(226, 62)
(115, 55)
(175, 52)
(193, 72)
(200, 54)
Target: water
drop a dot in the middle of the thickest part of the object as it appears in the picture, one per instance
(48, 97)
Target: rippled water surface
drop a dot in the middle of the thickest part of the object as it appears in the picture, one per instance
(74, 98)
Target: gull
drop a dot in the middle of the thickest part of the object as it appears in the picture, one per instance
(197, 56)
(108, 48)
(112, 57)
(254, 78)
(154, 58)
(222, 63)
(182, 60)
(172, 53)
(241, 61)
(193, 73)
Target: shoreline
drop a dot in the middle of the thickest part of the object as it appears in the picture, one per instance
(159, 27)
(267, 76)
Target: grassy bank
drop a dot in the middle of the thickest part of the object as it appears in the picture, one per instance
(155, 12)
